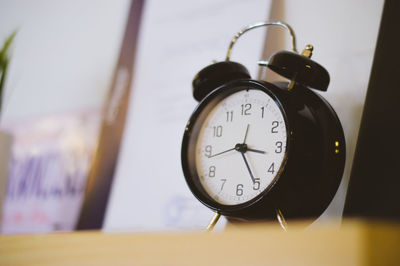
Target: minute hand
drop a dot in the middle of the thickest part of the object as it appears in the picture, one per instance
(248, 168)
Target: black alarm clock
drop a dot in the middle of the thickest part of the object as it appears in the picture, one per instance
(256, 150)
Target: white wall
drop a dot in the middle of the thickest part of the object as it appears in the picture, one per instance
(64, 54)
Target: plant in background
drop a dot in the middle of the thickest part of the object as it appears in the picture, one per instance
(4, 61)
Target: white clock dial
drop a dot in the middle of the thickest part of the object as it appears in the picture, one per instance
(241, 147)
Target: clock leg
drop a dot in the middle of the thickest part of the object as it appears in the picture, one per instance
(281, 220)
(213, 222)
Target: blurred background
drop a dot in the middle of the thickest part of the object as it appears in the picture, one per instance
(62, 76)
(61, 62)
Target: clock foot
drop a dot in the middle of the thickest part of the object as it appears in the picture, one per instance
(213, 222)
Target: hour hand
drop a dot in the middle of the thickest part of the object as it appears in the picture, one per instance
(258, 151)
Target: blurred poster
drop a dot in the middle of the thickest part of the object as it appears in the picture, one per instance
(177, 39)
(48, 172)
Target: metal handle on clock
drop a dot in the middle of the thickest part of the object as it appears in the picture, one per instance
(258, 25)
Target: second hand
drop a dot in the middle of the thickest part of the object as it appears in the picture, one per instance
(221, 152)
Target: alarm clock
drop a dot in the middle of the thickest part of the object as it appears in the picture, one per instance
(258, 150)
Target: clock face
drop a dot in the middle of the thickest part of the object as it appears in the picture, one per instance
(241, 147)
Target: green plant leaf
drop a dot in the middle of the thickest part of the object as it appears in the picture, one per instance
(6, 46)
(4, 60)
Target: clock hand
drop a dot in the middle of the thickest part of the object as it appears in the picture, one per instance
(247, 131)
(241, 147)
(254, 150)
(220, 153)
(248, 168)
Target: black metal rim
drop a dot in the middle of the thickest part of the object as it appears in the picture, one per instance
(195, 121)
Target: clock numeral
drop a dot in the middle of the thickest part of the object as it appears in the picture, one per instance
(256, 185)
(262, 112)
(274, 128)
(217, 131)
(229, 116)
(223, 183)
(271, 169)
(239, 190)
(211, 171)
(278, 147)
(208, 150)
(246, 109)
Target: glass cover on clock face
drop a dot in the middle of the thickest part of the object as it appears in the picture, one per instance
(241, 147)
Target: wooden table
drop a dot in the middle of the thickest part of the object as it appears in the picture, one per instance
(355, 243)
